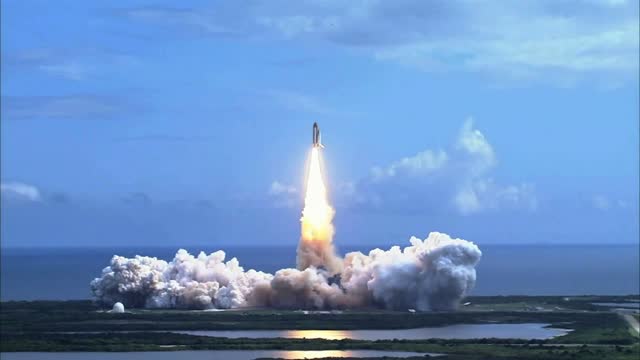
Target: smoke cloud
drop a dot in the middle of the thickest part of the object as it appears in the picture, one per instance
(431, 274)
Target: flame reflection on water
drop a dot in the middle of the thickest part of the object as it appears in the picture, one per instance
(319, 334)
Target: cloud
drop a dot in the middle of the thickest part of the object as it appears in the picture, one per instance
(474, 145)
(70, 70)
(57, 63)
(435, 180)
(484, 194)
(197, 21)
(604, 203)
(69, 64)
(430, 274)
(556, 41)
(20, 191)
(300, 102)
(167, 138)
(284, 195)
(82, 106)
(549, 46)
(423, 163)
(278, 188)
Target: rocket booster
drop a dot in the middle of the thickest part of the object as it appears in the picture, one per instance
(316, 136)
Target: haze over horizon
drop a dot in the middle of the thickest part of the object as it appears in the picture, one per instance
(143, 124)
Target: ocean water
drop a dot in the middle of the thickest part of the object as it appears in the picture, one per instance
(65, 273)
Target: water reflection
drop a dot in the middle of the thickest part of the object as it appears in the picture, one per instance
(314, 354)
(625, 305)
(208, 355)
(459, 331)
(318, 334)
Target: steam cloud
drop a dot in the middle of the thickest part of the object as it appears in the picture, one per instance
(431, 274)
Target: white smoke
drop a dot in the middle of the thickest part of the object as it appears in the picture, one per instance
(434, 274)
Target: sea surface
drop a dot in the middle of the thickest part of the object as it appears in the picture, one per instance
(65, 273)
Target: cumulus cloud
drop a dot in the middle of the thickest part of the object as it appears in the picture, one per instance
(563, 39)
(472, 143)
(422, 163)
(431, 274)
(20, 191)
(458, 178)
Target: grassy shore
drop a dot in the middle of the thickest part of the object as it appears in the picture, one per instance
(40, 326)
(456, 349)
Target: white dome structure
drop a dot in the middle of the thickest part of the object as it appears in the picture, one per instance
(118, 308)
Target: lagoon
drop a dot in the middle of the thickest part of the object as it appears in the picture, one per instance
(525, 331)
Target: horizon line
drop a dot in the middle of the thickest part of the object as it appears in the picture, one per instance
(284, 245)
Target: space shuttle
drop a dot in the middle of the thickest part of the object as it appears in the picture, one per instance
(317, 143)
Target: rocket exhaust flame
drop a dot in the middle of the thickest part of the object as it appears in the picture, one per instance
(430, 274)
(317, 214)
(316, 247)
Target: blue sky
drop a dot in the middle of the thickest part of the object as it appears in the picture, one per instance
(151, 123)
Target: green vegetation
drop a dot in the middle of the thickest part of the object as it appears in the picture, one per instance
(41, 326)
(495, 352)
(78, 316)
(544, 303)
(457, 349)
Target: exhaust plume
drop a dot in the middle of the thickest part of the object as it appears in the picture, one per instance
(430, 274)
(316, 240)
